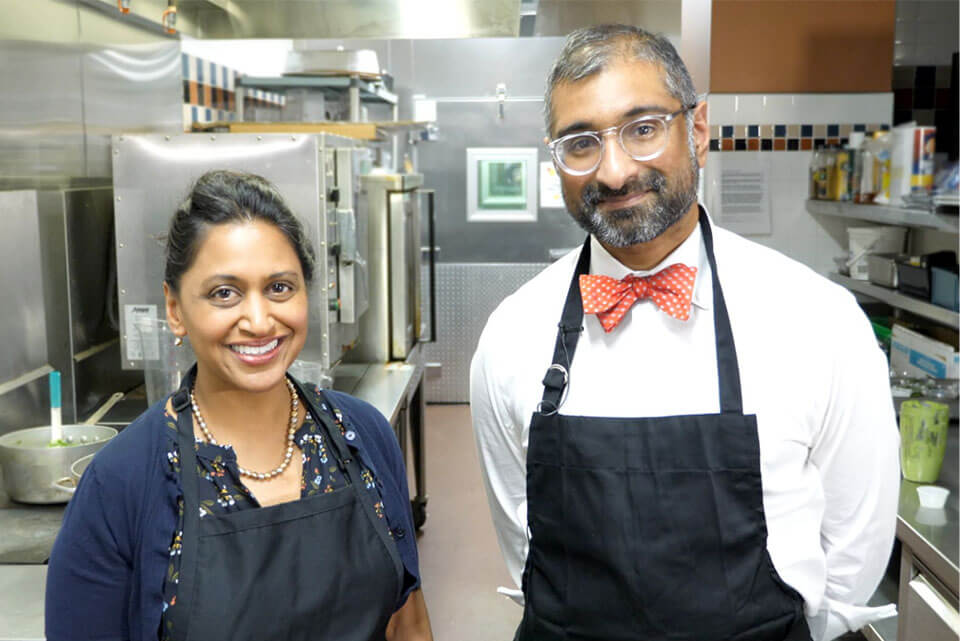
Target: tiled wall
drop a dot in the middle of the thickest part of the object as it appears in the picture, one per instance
(209, 93)
(781, 118)
(925, 32)
(921, 93)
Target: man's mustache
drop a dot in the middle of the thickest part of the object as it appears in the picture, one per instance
(596, 192)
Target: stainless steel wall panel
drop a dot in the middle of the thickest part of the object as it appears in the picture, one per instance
(23, 328)
(41, 110)
(468, 293)
(129, 88)
(444, 166)
(474, 67)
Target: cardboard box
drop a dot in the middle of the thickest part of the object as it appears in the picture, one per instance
(915, 354)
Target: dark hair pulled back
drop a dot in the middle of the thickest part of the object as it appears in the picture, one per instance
(220, 197)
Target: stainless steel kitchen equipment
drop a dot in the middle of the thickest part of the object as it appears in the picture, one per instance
(77, 228)
(393, 326)
(316, 176)
(31, 466)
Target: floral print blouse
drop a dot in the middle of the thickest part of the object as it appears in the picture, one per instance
(222, 489)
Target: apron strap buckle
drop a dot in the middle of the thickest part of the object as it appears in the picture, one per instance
(556, 377)
(180, 400)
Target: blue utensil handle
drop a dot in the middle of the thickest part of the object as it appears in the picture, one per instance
(54, 389)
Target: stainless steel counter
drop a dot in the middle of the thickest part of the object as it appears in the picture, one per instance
(933, 536)
(21, 602)
(384, 385)
(27, 531)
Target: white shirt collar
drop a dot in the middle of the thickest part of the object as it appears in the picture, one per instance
(690, 252)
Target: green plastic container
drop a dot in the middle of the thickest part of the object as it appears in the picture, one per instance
(923, 439)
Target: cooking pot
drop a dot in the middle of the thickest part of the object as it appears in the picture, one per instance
(69, 483)
(31, 466)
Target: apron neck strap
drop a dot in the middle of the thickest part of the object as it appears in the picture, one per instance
(557, 379)
(728, 368)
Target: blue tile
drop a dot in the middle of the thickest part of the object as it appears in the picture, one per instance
(806, 131)
(753, 131)
(727, 131)
(185, 66)
(779, 131)
(859, 127)
(833, 131)
(200, 71)
(213, 75)
(193, 114)
(714, 144)
(884, 127)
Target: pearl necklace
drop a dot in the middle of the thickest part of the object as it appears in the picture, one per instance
(277, 471)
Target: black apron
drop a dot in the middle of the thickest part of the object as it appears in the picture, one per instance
(322, 568)
(649, 528)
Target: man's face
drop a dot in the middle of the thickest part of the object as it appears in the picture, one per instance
(624, 201)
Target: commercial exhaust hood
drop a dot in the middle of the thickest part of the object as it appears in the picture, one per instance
(297, 19)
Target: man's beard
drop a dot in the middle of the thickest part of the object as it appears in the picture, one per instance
(640, 223)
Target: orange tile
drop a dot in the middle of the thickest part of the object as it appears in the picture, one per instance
(726, 144)
(753, 144)
(833, 141)
(779, 144)
(194, 93)
(806, 144)
(207, 95)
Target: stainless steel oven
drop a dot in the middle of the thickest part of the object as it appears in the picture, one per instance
(392, 326)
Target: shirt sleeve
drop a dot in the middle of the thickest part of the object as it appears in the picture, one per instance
(90, 570)
(856, 454)
(502, 455)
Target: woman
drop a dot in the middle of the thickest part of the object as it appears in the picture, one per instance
(246, 506)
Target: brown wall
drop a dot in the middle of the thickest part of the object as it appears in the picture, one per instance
(801, 46)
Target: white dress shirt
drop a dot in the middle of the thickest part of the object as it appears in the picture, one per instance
(810, 370)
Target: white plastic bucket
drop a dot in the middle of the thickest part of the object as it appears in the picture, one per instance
(872, 240)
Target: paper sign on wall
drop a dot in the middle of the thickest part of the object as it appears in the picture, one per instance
(741, 198)
(550, 193)
(142, 335)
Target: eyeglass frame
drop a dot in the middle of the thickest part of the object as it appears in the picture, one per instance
(666, 119)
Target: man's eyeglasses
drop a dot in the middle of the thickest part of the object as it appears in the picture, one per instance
(645, 138)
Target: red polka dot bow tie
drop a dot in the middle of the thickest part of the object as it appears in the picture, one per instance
(671, 289)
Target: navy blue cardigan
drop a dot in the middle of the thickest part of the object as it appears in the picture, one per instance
(108, 565)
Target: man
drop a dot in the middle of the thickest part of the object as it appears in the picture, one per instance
(721, 469)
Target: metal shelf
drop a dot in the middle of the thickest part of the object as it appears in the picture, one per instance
(918, 218)
(896, 299)
(333, 85)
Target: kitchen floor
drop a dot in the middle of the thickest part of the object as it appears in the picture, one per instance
(460, 560)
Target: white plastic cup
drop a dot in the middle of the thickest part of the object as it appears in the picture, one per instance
(932, 496)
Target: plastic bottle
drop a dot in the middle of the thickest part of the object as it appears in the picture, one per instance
(855, 146)
(865, 190)
(882, 165)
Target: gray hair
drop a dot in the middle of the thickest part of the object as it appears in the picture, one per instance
(589, 50)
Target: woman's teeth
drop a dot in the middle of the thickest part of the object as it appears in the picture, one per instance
(254, 351)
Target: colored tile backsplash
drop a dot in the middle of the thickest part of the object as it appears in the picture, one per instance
(209, 93)
(786, 137)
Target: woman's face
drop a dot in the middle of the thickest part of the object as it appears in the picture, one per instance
(243, 305)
